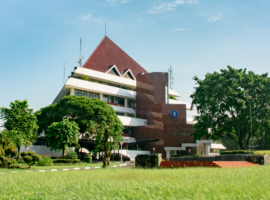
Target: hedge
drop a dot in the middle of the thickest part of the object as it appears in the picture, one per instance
(66, 161)
(245, 152)
(180, 155)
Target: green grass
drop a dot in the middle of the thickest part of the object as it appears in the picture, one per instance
(64, 166)
(131, 183)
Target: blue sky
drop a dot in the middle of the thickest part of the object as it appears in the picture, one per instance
(196, 36)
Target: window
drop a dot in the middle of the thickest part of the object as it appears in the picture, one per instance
(131, 115)
(86, 94)
(131, 103)
(114, 100)
(120, 114)
(127, 130)
(113, 72)
(128, 76)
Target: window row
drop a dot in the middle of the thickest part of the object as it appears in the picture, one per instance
(87, 94)
(114, 100)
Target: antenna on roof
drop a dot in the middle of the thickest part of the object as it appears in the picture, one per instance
(80, 59)
(170, 70)
(105, 29)
(64, 73)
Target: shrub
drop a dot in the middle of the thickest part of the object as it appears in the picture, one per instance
(236, 152)
(180, 155)
(265, 152)
(66, 161)
(12, 152)
(45, 161)
(72, 155)
(2, 152)
(4, 161)
(30, 158)
(87, 158)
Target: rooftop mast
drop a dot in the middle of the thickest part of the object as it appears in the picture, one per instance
(170, 70)
(80, 59)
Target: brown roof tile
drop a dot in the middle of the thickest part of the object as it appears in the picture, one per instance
(107, 54)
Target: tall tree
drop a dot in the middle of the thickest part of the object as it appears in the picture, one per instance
(21, 120)
(93, 116)
(226, 101)
(60, 135)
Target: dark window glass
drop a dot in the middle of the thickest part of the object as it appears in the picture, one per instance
(131, 103)
(91, 95)
(127, 130)
(115, 100)
(120, 114)
(131, 115)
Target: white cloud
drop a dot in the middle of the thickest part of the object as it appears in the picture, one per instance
(178, 29)
(115, 2)
(89, 18)
(214, 18)
(160, 7)
(191, 2)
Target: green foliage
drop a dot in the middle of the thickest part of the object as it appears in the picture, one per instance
(66, 161)
(11, 151)
(189, 156)
(2, 152)
(45, 161)
(245, 152)
(85, 78)
(60, 135)
(20, 121)
(72, 155)
(93, 116)
(236, 152)
(4, 161)
(223, 102)
(172, 97)
(87, 158)
(30, 158)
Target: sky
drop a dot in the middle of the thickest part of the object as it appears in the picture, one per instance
(39, 38)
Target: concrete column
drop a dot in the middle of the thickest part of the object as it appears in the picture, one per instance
(101, 96)
(126, 102)
(72, 91)
(207, 149)
(168, 153)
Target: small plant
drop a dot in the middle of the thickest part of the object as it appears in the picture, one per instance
(30, 158)
(87, 158)
(45, 161)
(4, 161)
(71, 155)
(85, 78)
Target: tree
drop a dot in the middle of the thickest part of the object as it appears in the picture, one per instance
(223, 102)
(93, 116)
(60, 135)
(7, 138)
(30, 158)
(21, 121)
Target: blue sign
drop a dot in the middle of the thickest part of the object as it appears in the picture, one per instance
(174, 114)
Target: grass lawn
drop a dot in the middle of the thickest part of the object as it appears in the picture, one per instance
(131, 183)
(64, 166)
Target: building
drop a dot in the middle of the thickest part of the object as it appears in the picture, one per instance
(152, 120)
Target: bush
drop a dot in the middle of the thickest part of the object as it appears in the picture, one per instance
(12, 152)
(4, 161)
(180, 155)
(2, 152)
(66, 161)
(236, 152)
(87, 158)
(245, 152)
(71, 155)
(45, 161)
(30, 158)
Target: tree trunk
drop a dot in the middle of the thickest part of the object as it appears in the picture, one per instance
(19, 151)
(63, 152)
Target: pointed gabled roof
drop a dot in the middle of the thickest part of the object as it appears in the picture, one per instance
(108, 54)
